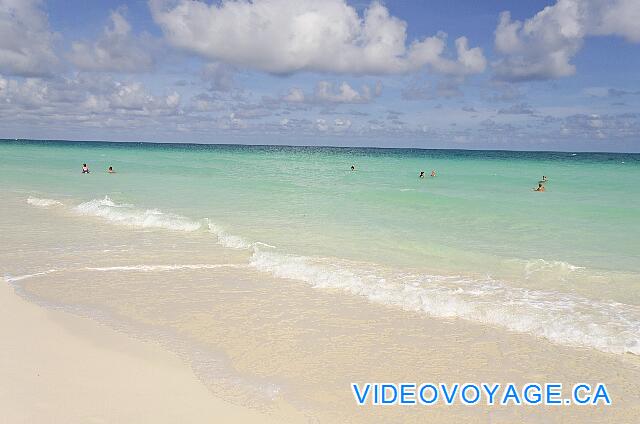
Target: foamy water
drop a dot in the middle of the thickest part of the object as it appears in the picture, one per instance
(559, 317)
(43, 203)
(125, 214)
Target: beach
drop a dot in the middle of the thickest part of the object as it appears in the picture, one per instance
(256, 284)
(69, 370)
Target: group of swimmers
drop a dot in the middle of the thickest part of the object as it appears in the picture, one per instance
(541, 184)
(85, 169)
(421, 175)
(540, 187)
(433, 173)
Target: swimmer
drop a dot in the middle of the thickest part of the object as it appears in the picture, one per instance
(353, 167)
(433, 172)
(540, 187)
(85, 168)
(110, 170)
(421, 174)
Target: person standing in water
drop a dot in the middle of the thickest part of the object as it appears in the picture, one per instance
(85, 168)
(353, 167)
(421, 174)
(433, 172)
(110, 170)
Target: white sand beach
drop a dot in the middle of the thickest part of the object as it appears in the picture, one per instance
(59, 368)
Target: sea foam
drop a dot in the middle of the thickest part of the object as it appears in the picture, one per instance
(125, 214)
(231, 241)
(561, 318)
(42, 203)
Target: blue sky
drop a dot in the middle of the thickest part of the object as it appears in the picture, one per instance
(534, 75)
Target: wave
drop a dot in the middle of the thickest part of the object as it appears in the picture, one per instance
(563, 319)
(125, 214)
(532, 267)
(227, 240)
(43, 203)
(233, 242)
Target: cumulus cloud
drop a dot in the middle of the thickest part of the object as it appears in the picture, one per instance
(295, 95)
(328, 92)
(543, 46)
(26, 42)
(116, 50)
(31, 93)
(281, 37)
(595, 126)
(83, 95)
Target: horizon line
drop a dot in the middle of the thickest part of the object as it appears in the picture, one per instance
(195, 143)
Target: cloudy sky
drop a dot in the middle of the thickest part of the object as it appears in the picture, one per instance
(506, 74)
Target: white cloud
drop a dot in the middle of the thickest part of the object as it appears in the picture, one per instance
(29, 94)
(296, 95)
(621, 17)
(81, 96)
(543, 46)
(116, 50)
(280, 37)
(26, 42)
(321, 125)
(340, 124)
(327, 92)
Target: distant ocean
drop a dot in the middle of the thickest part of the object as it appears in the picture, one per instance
(474, 242)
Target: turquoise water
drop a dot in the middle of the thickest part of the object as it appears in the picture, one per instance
(476, 227)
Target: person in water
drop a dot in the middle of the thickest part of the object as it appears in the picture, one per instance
(353, 167)
(433, 172)
(85, 168)
(110, 170)
(540, 187)
(421, 174)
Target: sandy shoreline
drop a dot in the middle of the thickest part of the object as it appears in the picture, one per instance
(59, 368)
(277, 344)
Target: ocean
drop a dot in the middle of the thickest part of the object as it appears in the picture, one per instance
(211, 249)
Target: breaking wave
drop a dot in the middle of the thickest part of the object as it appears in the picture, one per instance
(561, 318)
(125, 214)
(42, 203)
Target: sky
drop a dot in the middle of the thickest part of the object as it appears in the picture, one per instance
(465, 74)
